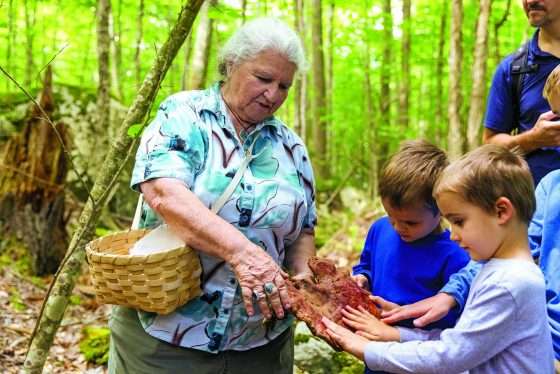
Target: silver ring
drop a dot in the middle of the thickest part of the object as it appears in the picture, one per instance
(258, 295)
(269, 288)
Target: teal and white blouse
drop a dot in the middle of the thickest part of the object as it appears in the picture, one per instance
(193, 140)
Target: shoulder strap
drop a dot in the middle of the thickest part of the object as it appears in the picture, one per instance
(519, 67)
(220, 201)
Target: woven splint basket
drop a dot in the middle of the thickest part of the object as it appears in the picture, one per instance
(158, 282)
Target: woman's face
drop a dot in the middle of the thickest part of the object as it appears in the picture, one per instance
(256, 88)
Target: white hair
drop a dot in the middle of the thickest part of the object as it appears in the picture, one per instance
(257, 36)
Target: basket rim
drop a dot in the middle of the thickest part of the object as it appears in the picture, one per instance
(91, 251)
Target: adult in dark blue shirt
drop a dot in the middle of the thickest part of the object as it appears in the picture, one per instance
(538, 129)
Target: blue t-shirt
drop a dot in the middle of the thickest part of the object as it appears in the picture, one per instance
(499, 111)
(405, 273)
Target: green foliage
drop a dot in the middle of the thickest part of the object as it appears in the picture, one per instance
(95, 344)
(14, 255)
(301, 338)
(347, 363)
(330, 221)
(75, 299)
(16, 301)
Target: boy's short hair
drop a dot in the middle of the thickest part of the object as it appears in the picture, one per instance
(488, 173)
(552, 84)
(410, 174)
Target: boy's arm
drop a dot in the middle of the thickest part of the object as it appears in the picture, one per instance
(434, 308)
(459, 283)
(487, 328)
(365, 266)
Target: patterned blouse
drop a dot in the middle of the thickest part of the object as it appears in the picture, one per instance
(193, 140)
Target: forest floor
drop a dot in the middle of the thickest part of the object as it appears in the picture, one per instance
(20, 303)
(21, 298)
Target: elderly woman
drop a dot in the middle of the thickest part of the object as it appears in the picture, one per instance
(188, 156)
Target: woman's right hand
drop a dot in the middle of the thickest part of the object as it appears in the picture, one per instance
(254, 269)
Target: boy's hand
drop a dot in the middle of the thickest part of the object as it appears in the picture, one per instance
(368, 326)
(383, 304)
(429, 310)
(361, 280)
(346, 339)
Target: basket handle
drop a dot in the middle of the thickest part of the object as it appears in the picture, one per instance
(137, 213)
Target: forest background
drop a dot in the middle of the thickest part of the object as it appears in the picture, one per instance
(380, 71)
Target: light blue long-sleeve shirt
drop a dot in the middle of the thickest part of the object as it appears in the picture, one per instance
(544, 240)
(503, 329)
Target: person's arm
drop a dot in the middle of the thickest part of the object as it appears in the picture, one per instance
(545, 133)
(432, 309)
(298, 253)
(362, 271)
(544, 240)
(488, 328)
(207, 232)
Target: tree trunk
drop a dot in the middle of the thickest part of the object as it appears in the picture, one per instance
(439, 74)
(202, 46)
(117, 72)
(63, 284)
(371, 128)
(29, 36)
(385, 80)
(476, 109)
(497, 26)
(331, 149)
(185, 79)
(243, 11)
(139, 37)
(300, 126)
(102, 125)
(455, 141)
(319, 93)
(405, 66)
(33, 172)
(10, 43)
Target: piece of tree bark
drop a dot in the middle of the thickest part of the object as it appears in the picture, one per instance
(455, 138)
(65, 280)
(202, 46)
(319, 93)
(476, 110)
(404, 93)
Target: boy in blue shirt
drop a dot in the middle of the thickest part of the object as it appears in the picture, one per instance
(407, 255)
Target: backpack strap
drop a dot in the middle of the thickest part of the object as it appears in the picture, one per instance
(518, 68)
